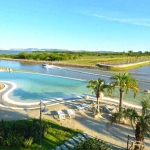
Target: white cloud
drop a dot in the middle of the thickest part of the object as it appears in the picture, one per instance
(137, 21)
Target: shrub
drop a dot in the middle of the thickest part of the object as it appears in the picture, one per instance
(28, 142)
(93, 144)
(22, 132)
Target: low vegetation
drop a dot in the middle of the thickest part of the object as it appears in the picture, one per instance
(140, 122)
(84, 59)
(93, 144)
(25, 134)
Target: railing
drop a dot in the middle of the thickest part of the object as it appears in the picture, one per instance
(132, 144)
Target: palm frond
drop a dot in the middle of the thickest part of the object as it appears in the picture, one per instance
(137, 119)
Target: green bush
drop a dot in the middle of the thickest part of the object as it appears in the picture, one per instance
(21, 132)
(28, 142)
(93, 144)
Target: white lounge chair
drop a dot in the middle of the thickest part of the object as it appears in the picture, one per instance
(61, 114)
(71, 113)
(79, 107)
(85, 105)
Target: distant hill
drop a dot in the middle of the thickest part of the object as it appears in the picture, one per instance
(46, 49)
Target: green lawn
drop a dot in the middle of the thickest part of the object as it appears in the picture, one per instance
(93, 60)
(89, 60)
(56, 136)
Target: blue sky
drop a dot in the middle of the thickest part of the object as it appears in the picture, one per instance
(109, 25)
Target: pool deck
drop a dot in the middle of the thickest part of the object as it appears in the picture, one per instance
(116, 134)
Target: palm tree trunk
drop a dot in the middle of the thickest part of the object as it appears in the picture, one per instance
(97, 104)
(121, 100)
(138, 134)
(139, 145)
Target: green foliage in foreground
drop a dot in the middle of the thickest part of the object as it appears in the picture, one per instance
(140, 121)
(25, 134)
(21, 133)
(93, 144)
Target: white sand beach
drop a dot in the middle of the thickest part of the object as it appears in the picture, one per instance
(116, 134)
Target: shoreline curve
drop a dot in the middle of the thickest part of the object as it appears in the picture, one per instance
(6, 98)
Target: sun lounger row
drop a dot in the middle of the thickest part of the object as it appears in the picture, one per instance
(82, 107)
(73, 142)
(62, 115)
(71, 113)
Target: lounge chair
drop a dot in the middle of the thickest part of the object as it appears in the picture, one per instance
(109, 110)
(79, 107)
(85, 106)
(106, 109)
(61, 114)
(82, 107)
(71, 113)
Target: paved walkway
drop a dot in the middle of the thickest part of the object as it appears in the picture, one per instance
(123, 65)
(79, 138)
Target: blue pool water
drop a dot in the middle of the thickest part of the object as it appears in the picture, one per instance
(35, 87)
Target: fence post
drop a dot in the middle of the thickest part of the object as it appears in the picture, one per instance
(128, 143)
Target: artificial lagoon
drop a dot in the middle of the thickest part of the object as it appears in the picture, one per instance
(35, 87)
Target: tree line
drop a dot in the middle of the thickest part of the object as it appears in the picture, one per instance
(71, 55)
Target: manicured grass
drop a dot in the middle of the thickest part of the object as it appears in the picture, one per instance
(56, 136)
(91, 61)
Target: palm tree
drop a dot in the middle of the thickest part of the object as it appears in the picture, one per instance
(139, 121)
(125, 82)
(98, 88)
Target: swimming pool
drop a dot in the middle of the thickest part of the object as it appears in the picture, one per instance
(35, 87)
